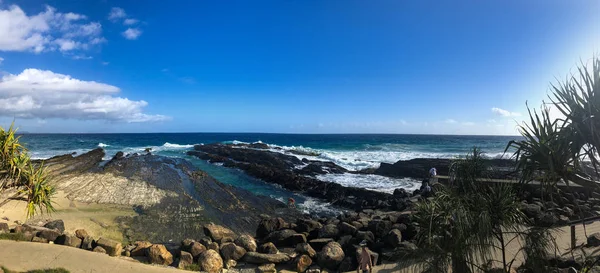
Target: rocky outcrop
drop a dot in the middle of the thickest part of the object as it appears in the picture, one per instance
(281, 169)
(419, 167)
(170, 195)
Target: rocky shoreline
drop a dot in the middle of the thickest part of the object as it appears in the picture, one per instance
(305, 245)
(220, 226)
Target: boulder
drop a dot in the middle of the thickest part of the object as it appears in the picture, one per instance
(68, 240)
(230, 251)
(347, 265)
(205, 241)
(230, 264)
(185, 259)
(314, 269)
(213, 245)
(261, 258)
(266, 268)
(196, 249)
(329, 231)
(318, 244)
(282, 237)
(331, 256)
(158, 254)
(186, 244)
(401, 193)
(347, 229)
(266, 226)
(87, 243)
(81, 234)
(247, 242)
(113, 248)
(140, 249)
(593, 240)
(49, 234)
(210, 261)
(393, 238)
(380, 227)
(267, 248)
(4, 228)
(302, 263)
(219, 233)
(365, 235)
(57, 225)
(531, 210)
(99, 249)
(306, 249)
(307, 225)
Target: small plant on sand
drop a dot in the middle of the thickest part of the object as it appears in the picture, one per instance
(17, 171)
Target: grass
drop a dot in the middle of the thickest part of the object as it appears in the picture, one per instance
(192, 267)
(53, 270)
(13, 236)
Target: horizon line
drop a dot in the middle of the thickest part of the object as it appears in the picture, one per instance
(263, 133)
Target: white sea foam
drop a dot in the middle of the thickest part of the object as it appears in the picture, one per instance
(102, 145)
(372, 182)
(369, 157)
(177, 146)
(312, 206)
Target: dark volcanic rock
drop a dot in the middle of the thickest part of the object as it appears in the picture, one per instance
(279, 169)
(282, 237)
(419, 167)
(268, 248)
(56, 224)
(321, 167)
(266, 226)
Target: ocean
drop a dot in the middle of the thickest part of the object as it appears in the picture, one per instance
(351, 151)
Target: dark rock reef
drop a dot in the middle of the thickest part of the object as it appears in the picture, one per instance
(297, 175)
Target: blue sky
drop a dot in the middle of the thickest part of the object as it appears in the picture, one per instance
(436, 67)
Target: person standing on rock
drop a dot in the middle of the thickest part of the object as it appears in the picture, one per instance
(365, 264)
(432, 176)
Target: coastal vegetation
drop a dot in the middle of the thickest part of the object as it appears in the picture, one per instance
(468, 220)
(18, 171)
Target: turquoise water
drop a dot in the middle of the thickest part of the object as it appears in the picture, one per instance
(353, 152)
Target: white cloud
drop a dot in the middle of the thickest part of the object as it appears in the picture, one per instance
(132, 33)
(468, 123)
(491, 121)
(130, 21)
(450, 121)
(505, 113)
(44, 94)
(105, 63)
(46, 31)
(116, 14)
(1, 60)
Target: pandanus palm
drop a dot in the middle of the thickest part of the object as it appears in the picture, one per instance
(465, 222)
(554, 148)
(17, 170)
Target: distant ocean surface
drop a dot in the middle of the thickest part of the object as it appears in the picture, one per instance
(351, 151)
